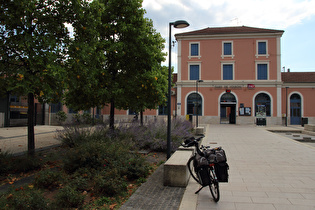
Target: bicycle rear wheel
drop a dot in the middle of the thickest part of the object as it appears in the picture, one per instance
(214, 186)
(191, 169)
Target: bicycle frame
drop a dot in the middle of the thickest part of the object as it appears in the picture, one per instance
(208, 176)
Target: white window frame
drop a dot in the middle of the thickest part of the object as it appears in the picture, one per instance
(232, 50)
(203, 102)
(194, 56)
(256, 69)
(194, 63)
(260, 55)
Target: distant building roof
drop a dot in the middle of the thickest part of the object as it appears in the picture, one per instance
(298, 77)
(230, 30)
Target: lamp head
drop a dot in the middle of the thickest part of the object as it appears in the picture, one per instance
(180, 24)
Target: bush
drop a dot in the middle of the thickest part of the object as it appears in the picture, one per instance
(110, 183)
(87, 118)
(20, 164)
(153, 135)
(68, 197)
(5, 162)
(23, 198)
(48, 179)
(79, 183)
(137, 168)
(73, 135)
(28, 163)
(92, 154)
(84, 119)
(61, 116)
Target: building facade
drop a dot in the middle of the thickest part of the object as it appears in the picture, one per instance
(233, 75)
(225, 75)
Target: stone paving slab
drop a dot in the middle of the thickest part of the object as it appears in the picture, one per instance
(153, 195)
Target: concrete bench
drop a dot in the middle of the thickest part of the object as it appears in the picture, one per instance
(199, 131)
(309, 127)
(176, 173)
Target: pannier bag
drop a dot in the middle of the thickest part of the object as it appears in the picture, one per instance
(201, 166)
(203, 175)
(221, 167)
(200, 161)
(221, 171)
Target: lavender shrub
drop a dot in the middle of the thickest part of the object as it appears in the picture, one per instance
(153, 135)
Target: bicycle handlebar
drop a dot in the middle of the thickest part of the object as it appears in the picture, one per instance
(192, 141)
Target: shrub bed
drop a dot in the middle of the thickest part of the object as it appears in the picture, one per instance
(95, 167)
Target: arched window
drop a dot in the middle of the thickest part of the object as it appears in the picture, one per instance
(295, 109)
(228, 98)
(194, 103)
(262, 105)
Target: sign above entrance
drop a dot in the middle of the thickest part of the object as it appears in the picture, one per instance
(250, 86)
(228, 86)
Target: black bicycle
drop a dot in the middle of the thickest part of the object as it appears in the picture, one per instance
(204, 166)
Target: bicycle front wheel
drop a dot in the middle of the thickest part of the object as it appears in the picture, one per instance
(191, 169)
(214, 186)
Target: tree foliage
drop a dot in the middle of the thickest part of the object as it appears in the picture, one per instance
(33, 45)
(114, 53)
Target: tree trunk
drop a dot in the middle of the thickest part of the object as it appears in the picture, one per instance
(30, 125)
(141, 118)
(112, 114)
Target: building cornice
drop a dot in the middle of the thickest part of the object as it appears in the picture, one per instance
(227, 36)
(229, 83)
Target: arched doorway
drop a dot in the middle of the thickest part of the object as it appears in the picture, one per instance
(228, 109)
(194, 104)
(295, 109)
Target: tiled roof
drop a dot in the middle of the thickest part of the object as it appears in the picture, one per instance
(230, 30)
(298, 77)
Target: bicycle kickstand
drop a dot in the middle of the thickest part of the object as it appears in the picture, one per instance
(199, 190)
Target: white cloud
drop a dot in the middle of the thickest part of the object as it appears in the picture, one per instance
(161, 4)
(267, 13)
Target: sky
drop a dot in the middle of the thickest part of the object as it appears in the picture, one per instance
(295, 17)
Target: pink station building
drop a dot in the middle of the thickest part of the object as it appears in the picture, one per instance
(234, 75)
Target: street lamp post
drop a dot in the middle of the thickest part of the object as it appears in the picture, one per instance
(176, 24)
(197, 104)
(286, 106)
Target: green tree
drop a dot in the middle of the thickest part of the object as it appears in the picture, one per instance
(111, 53)
(33, 45)
(145, 83)
(146, 90)
(87, 79)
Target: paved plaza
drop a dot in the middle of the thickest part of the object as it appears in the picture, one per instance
(267, 171)
(14, 139)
